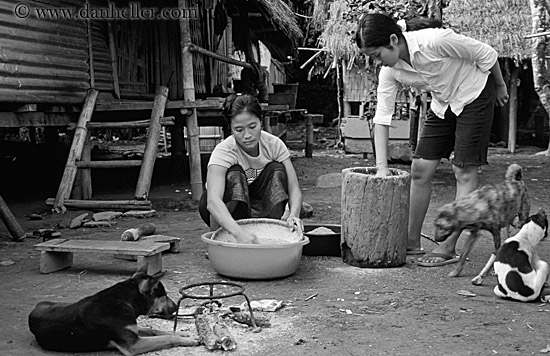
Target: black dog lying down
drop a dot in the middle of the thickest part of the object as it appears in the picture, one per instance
(521, 272)
(491, 207)
(108, 319)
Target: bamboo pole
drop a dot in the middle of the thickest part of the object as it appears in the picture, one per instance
(16, 231)
(189, 94)
(114, 59)
(105, 204)
(311, 59)
(512, 115)
(86, 174)
(151, 145)
(75, 154)
(219, 57)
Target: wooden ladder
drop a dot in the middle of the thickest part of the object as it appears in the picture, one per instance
(80, 158)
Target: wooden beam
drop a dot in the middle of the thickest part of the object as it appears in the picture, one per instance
(164, 121)
(122, 163)
(75, 153)
(219, 57)
(148, 105)
(24, 119)
(513, 107)
(104, 204)
(534, 35)
(151, 145)
(189, 95)
(10, 221)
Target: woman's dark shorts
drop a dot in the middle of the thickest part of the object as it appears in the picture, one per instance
(467, 135)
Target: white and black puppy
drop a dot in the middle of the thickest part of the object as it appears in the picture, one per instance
(521, 273)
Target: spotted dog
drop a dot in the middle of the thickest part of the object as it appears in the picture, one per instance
(491, 207)
(520, 271)
(107, 319)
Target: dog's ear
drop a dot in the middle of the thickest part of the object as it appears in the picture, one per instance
(140, 273)
(150, 282)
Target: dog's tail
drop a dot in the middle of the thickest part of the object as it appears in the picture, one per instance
(514, 172)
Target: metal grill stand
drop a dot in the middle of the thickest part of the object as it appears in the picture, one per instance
(211, 296)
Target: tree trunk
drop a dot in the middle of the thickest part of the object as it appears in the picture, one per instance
(375, 215)
(541, 76)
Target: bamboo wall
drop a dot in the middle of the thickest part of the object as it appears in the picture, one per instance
(46, 61)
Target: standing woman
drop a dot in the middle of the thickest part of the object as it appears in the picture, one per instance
(250, 174)
(465, 81)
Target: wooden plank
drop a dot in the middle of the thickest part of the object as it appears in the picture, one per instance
(164, 121)
(148, 105)
(122, 163)
(139, 248)
(25, 119)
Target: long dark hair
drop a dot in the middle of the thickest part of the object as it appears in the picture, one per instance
(237, 104)
(374, 30)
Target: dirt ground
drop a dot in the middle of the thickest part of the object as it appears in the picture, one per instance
(410, 310)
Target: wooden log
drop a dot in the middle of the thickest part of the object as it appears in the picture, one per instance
(15, 230)
(151, 146)
(104, 204)
(86, 174)
(136, 233)
(219, 57)
(164, 121)
(75, 154)
(375, 214)
(189, 95)
(206, 334)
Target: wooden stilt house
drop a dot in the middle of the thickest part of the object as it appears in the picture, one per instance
(54, 52)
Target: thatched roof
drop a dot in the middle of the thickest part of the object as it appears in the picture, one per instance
(277, 27)
(282, 17)
(337, 36)
(499, 23)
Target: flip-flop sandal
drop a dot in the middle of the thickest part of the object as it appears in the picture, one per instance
(447, 260)
(429, 238)
(415, 251)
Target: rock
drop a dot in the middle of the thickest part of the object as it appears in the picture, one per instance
(107, 215)
(306, 212)
(78, 221)
(401, 152)
(99, 224)
(329, 180)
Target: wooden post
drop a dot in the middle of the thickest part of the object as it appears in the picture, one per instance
(86, 173)
(375, 215)
(66, 185)
(513, 102)
(309, 136)
(189, 95)
(16, 231)
(114, 58)
(151, 145)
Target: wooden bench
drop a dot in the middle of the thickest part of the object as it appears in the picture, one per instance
(57, 254)
(172, 240)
